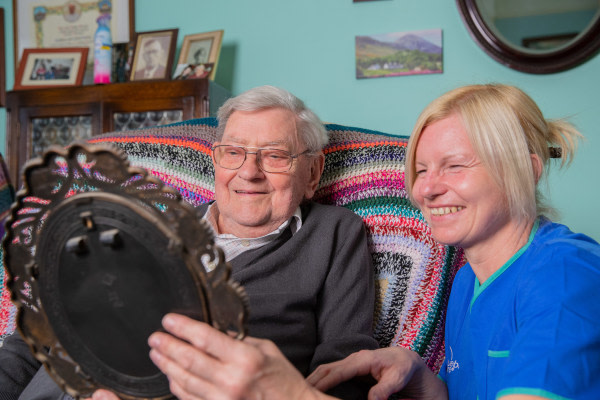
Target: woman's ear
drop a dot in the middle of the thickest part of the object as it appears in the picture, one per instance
(316, 170)
(538, 167)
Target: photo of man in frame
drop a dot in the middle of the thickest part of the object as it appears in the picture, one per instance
(153, 58)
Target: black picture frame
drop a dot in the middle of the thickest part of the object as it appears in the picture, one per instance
(577, 51)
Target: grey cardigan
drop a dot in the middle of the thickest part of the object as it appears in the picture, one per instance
(312, 293)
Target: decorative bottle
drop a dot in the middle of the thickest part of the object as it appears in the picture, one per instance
(102, 50)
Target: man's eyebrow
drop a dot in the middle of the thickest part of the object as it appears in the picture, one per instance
(277, 143)
(237, 140)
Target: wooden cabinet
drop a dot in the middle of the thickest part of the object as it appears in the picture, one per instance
(39, 118)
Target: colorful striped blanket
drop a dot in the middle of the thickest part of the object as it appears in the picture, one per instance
(364, 171)
(7, 196)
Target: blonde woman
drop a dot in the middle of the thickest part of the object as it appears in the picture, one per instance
(522, 319)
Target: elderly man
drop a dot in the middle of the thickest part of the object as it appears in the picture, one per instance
(305, 266)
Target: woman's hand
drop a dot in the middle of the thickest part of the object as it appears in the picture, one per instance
(395, 369)
(204, 363)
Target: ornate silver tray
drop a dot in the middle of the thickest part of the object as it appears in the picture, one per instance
(97, 252)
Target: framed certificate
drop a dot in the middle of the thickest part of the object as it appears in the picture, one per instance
(68, 23)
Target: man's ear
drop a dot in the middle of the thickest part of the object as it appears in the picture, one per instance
(538, 167)
(316, 170)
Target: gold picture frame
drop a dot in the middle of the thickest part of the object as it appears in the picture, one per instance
(202, 48)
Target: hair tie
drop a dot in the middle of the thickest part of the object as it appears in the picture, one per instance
(555, 152)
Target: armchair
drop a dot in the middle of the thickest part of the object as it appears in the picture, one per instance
(364, 172)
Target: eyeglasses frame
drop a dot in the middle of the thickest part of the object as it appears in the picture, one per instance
(258, 159)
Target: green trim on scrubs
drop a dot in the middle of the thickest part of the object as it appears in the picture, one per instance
(498, 353)
(532, 392)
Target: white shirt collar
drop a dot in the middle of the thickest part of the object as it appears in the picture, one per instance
(233, 246)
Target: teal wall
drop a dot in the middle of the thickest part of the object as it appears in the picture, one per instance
(307, 47)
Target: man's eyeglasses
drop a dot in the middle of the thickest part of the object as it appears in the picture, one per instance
(269, 160)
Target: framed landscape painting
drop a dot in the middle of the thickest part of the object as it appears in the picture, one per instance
(399, 53)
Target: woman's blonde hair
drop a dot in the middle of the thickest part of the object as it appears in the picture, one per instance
(505, 126)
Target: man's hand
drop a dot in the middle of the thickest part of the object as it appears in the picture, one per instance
(204, 363)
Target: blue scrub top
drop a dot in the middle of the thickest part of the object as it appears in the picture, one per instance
(533, 327)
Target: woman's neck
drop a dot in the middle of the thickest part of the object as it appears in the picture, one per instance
(489, 256)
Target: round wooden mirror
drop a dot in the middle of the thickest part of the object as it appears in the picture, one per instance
(534, 36)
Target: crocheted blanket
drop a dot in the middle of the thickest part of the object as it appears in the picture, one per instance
(364, 171)
(7, 196)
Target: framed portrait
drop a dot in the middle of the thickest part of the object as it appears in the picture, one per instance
(68, 23)
(55, 67)
(202, 48)
(153, 55)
